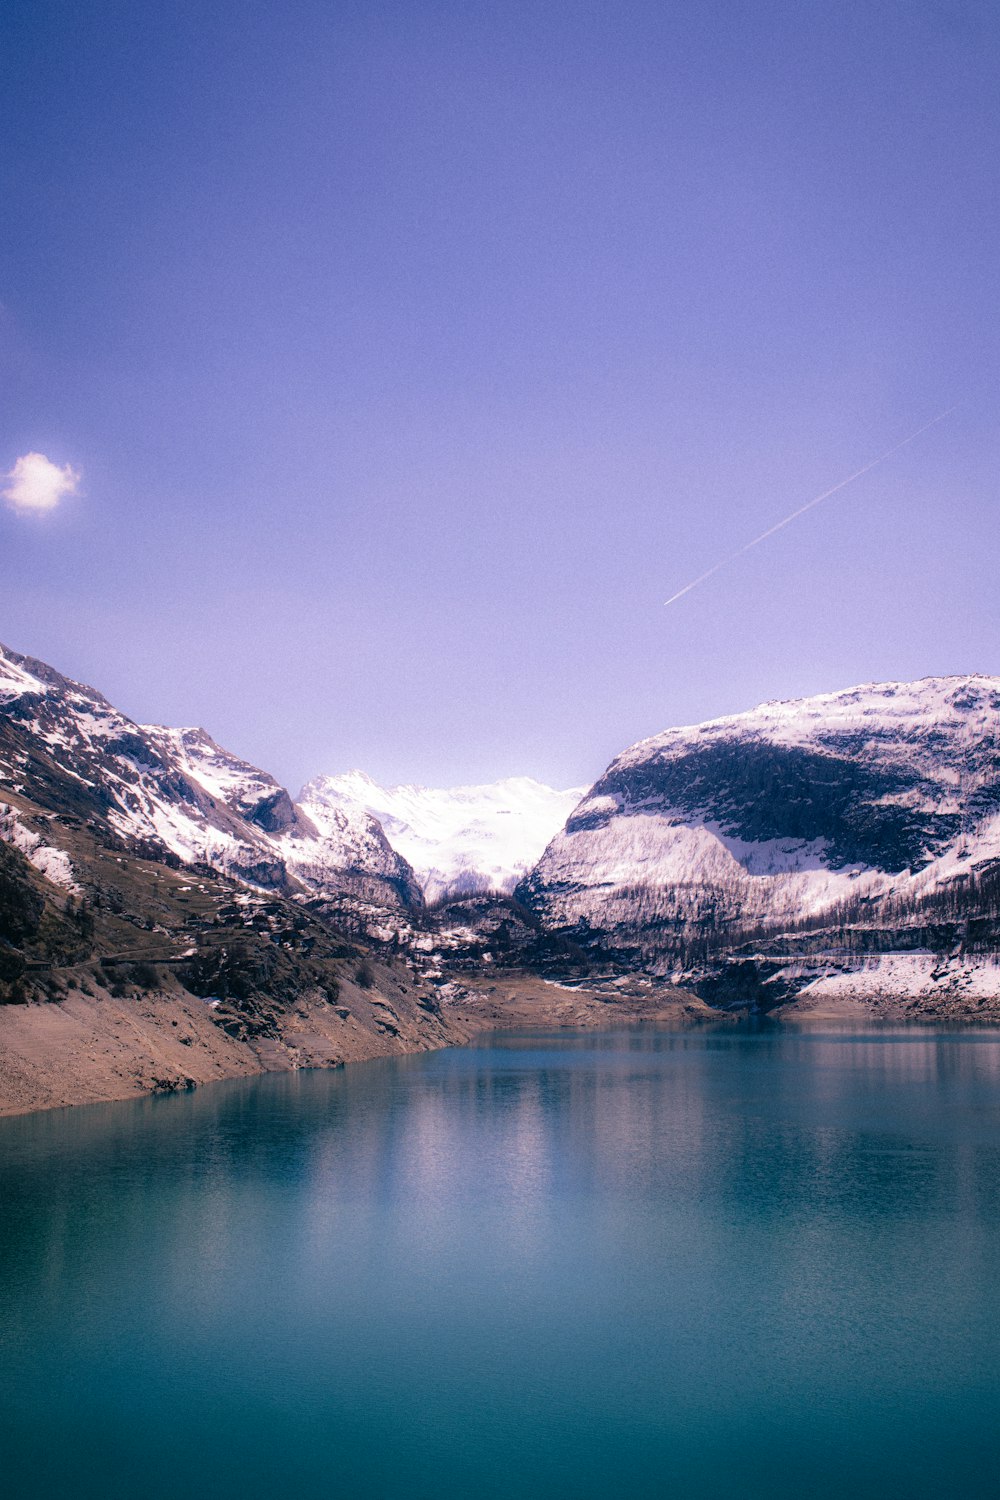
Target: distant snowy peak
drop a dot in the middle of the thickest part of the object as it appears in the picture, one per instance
(459, 840)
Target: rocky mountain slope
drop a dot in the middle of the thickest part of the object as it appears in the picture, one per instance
(879, 805)
(459, 841)
(145, 977)
(168, 917)
(175, 793)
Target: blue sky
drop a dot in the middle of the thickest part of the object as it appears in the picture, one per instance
(411, 355)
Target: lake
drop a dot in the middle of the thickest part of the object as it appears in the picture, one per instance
(728, 1262)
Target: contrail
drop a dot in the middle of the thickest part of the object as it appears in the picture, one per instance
(779, 525)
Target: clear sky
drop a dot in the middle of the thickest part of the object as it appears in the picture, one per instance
(400, 360)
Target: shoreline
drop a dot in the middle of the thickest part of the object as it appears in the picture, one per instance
(93, 1048)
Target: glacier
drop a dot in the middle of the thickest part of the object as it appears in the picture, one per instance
(459, 841)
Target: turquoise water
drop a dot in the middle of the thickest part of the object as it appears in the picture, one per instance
(711, 1263)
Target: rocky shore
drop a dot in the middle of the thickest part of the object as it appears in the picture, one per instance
(93, 1046)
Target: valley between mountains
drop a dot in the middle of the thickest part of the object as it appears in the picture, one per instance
(169, 914)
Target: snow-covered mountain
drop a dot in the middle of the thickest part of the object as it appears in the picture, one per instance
(862, 822)
(176, 791)
(461, 840)
(820, 807)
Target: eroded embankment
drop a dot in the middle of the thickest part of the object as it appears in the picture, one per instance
(97, 1046)
(93, 1047)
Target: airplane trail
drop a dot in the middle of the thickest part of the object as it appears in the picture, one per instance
(779, 525)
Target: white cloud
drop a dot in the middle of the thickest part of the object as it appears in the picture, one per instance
(35, 483)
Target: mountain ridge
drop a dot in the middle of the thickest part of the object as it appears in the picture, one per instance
(179, 791)
(856, 822)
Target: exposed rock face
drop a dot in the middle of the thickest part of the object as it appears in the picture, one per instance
(344, 857)
(810, 810)
(250, 793)
(178, 793)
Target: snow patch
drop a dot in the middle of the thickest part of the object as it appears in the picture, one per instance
(53, 863)
(912, 976)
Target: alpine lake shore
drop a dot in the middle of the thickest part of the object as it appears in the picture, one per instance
(95, 1046)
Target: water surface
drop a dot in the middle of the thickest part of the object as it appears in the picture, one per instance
(643, 1263)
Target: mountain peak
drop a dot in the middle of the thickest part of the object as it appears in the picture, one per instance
(459, 840)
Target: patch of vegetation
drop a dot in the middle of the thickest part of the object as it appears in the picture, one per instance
(13, 992)
(21, 906)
